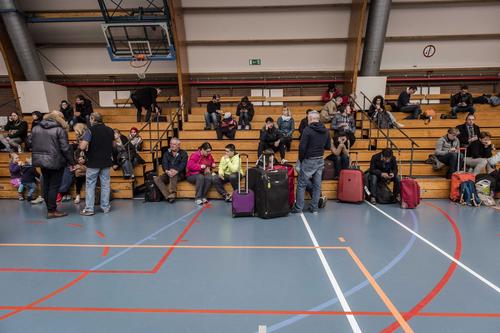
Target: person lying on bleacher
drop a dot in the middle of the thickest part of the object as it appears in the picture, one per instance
(245, 111)
(83, 110)
(378, 113)
(286, 126)
(67, 110)
(447, 151)
(17, 131)
(227, 127)
(383, 168)
(478, 153)
(462, 102)
(344, 122)
(213, 114)
(469, 132)
(229, 167)
(270, 138)
(200, 166)
(405, 105)
(174, 164)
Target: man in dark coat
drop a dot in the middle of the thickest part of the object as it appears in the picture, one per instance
(383, 168)
(462, 102)
(145, 98)
(469, 132)
(83, 110)
(52, 153)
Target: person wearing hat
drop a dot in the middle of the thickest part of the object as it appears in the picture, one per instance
(226, 127)
(135, 139)
(245, 111)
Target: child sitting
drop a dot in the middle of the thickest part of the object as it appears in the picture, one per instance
(15, 172)
(28, 179)
(227, 127)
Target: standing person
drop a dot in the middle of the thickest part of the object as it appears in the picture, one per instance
(52, 153)
(227, 127)
(17, 132)
(447, 151)
(304, 122)
(83, 110)
(15, 166)
(315, 140)
(145, 98)
(340, 153)
(174, 164)
(199, 171)
(98, 144)
(68, 113)
(28, 179)
(344, 122)
(462, 102)
(286, 126)
(212, 116)
(270, 138)
(469, 132)
(229, 167)
(383, 168)
(80, 159)
(478, 153)
(245, 111)
(404, 104)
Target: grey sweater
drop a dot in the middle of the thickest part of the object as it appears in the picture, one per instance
(443, 145)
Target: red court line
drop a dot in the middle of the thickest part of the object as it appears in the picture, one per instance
(35, 222)
(75, 225)
(178, 240)
(100, 234)
(43, 299)
(444, 280)
(48, 270)
(105, 251)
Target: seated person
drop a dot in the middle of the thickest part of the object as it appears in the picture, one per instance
(331, 93)
(17, 131)
(304, 123)
(145, 98)
(344, 122)
(245, 111)
(227, 127)
(174, 164)
(478, 153)
(461, 102)
(212, 116)
(229, 167)
(379, 114)
(124, 155)
(383, 168)
(340, 153)
(329, 110)
(199, 172)
(15, 166)
(270, 138)
(83, 110)
(404, 104)
(469, 132)
(135, 139)
(447, 151)
(286, 126)
(28, 179)
(67, 111)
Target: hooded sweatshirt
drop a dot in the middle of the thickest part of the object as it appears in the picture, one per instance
(314, 141)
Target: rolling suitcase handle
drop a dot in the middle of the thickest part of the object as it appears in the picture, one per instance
(239, 175)
(458, 159)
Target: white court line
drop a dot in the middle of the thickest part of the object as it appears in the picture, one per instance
(333, 280)
(435, 247)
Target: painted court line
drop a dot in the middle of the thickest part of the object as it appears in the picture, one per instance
(343, 302)
(435, 247)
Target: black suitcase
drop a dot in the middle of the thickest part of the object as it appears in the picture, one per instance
(271, 192)
(152, 193)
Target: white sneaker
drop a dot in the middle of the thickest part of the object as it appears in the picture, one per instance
(239, 127)
(77, 199)
(198, 202)
(399, 125)
(204, 200)
(37, 201)
(247, 127)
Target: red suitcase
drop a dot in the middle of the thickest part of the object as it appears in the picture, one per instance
(459, 177)
(350, 186)
(410, 193)
(291, 180)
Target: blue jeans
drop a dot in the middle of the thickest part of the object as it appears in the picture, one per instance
(30, 186)
(340, 162)
(211, 118)
(92, 175)
(469, 109)
(310, 169)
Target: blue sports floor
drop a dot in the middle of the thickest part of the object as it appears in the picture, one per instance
(157, 267)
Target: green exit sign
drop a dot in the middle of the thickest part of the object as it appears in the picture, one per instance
(255, 62)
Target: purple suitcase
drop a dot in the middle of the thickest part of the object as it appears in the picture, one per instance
(243, 201)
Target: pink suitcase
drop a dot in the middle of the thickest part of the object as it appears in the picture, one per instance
(350, 186)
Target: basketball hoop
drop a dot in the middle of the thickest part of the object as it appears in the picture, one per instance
(139, 61)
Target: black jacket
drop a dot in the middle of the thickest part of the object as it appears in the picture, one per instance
(178, 162)
(377, 166)
(85, 109)
(20, 129)
(68, 112)
(270, 136)
(248, 107)
(28, 174)
(302, 126)
(477, 150)
(464, 134)
(51, 149)
(403, 99)
(459, 98)
(145, 96)
(213, 107)
(314, 141)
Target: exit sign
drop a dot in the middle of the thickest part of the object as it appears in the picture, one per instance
(254, 62)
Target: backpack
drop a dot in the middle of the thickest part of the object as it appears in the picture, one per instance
(486, 191)
(152, 193)
(384, 193)
(468, 194)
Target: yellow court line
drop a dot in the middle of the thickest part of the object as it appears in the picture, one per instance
(399, 318)
(258, 247)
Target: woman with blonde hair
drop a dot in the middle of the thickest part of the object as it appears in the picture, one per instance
(286, 126)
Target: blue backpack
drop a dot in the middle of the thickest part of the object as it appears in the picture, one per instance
(468, 194)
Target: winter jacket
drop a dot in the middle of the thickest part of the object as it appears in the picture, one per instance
(343, 118)
(269, 136)
(229, 165)
(228, 123)
(443, 145)
(463, 137)
(51, 149)
(28, 174)
(17, 129)
(326, 95)
(303, 124)
(177, 162)
(378, 166)
(196, 160)
(477, 150)
(68, 113)
(461, 98)
(403, 99)
(145, 96)
(248, 107)
(136, 141)
(314, 141)
(15, 170)
(286, 127)
(213, 107)
(85, 109)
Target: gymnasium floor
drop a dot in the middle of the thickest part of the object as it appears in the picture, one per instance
(155, 267)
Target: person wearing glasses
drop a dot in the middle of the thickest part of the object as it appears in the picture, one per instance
(447, 150)
(229, 167)
(199, 171)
